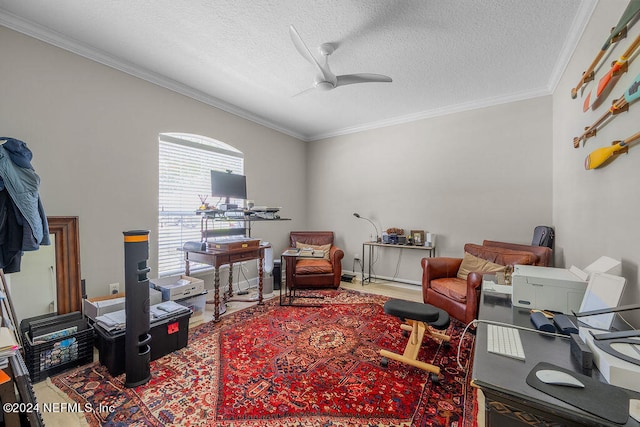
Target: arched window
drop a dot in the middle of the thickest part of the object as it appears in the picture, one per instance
(185, 168)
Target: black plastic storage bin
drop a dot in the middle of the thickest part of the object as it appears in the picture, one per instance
(277, 274)
(167, 335)
(66, 351)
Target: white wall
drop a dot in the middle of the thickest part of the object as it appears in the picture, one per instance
(94, 132)
(595, 212)
(470, 176)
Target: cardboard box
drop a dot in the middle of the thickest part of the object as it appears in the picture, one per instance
(98, 306)
(178, 287)
(94, 307)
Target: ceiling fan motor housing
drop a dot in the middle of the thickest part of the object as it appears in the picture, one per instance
(324, 85)
(325, 79)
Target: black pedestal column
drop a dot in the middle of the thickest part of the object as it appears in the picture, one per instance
(137, 337)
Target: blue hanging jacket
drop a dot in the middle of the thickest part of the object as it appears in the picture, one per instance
(22, 183)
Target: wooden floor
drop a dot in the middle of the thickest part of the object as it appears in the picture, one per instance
(389, 289)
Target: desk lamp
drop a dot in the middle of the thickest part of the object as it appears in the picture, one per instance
(357, 215)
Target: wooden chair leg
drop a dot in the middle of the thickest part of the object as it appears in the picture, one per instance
(439, 335)
(432, 332)
(410, 356)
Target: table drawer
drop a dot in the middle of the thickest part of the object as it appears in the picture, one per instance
(233, 244)
(244, 256)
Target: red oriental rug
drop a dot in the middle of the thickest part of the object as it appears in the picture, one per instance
(269, 366)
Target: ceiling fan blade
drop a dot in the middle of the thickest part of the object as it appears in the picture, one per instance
(349, 79)
(307, 90)
(305, 52)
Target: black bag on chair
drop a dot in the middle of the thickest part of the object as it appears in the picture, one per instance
(543, 236)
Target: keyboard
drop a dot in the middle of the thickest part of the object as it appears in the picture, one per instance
(504, 341)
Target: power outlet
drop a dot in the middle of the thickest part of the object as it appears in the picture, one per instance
(356, 257)
(114, 288)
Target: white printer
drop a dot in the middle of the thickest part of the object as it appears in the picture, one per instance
(547, 288)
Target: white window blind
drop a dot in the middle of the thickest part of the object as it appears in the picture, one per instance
(185, 164)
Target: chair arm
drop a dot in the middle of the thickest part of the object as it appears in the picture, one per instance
(474, 279)
(474, 287)
(438, 268)
(335, 256)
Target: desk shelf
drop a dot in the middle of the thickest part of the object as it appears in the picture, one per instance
(245, 217)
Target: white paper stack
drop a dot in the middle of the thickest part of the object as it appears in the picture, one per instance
(8, 346)
(117, 320)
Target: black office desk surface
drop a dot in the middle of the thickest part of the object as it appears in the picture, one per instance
(509, 400)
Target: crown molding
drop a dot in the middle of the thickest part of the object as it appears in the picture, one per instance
(46, 35)
(578, 26)
(436, 112)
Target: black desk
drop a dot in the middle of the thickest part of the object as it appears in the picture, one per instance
(509, 400)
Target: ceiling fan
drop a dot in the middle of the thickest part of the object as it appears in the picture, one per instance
(325, 79)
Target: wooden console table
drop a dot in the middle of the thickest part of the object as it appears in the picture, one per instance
(372, 245)
(225, 256)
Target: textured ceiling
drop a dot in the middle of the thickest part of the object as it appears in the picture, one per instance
(443, 55)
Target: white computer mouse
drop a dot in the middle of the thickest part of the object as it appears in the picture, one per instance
(550, 376)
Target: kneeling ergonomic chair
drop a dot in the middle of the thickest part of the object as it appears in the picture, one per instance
(419, 319)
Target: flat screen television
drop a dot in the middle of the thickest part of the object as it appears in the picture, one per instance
(228, 185)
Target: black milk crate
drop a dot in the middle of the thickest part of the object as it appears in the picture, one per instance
(45, 358)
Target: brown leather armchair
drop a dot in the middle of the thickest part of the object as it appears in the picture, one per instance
(314, 272)
(460, 298)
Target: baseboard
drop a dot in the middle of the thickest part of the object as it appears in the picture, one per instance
(347, 277)
(396, 280)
